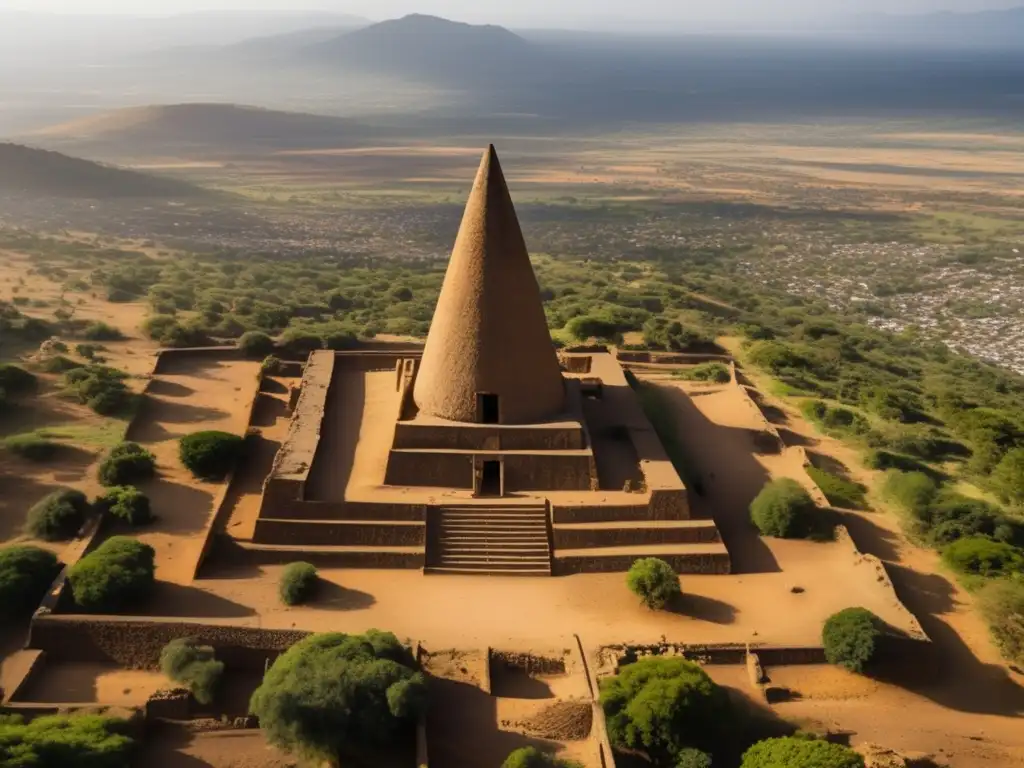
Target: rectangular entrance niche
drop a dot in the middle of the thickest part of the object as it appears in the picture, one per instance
(487, 411)
(490, 479)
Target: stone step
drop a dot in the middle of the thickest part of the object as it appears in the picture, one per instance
(510, 539)
(524, 550)
(524, 516)
(471, 570)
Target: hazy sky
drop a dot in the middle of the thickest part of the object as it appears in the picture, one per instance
(533, 12)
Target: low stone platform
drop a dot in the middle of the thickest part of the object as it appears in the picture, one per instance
(709, 558)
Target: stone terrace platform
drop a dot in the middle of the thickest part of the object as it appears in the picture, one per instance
(328, 499)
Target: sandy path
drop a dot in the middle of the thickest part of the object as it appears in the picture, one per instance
(271, 419)
(94, 684)
(196, 396)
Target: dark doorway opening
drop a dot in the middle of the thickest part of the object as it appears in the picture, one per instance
(490, 479)
(487, 409)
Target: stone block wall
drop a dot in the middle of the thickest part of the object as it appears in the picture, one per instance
(488, 437)
(703, 563)
(288, 532)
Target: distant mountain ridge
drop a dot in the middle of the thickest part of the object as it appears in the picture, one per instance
(429, 47)
(38, 172)
(1003, 27)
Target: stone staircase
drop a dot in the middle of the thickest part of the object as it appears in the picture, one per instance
(499, 540)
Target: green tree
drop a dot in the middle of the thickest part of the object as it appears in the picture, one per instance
(789, 752)
(783, 509)
(26, 574)
(189, 663)
(662, 705)
(654, 581)
(210, 455)
(850, 638)
(255, 344)
(333, 696)
(117, 574)
(981, 556)
(58, 516)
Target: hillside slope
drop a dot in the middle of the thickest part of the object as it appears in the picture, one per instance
(38, 172)
(198, 126)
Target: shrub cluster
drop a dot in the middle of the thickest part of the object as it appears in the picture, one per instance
(127, 464)
(850, 638)
(25, 575)
(58, 516)
(717, 373)
(100, 387)
(100, 331)
(59, 741)
(126, 503)
(60, 364)
(792, 752)
(210, 455)
(271, 366)
(654, 581)
(298, 583)
(117, 574)
(531, 757)
(332, 695)
(981, 556)
(255, 344)
(841, 422)
(187, 662)
(783, 509)
(31, 447)
(662, 706)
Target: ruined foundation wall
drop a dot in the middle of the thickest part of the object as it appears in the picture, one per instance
(488, 438)
(287, 532)
(136, 643)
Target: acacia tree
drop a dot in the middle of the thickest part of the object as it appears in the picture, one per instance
(333, 696)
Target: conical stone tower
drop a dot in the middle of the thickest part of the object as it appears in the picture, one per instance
(489, 356)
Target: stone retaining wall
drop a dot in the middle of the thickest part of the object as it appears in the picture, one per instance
(705, 563)
(288, 532)
(136, 643)
(626, 536)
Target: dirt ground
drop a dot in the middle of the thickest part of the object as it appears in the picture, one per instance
(94, 684)
(193, 396)
(171, 747)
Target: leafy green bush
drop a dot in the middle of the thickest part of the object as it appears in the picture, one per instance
(188, 663)
(117, 574)
(58, 516)
(31, 447)
(913, 491)
(663, 705)
(531, 757)
(331, 695)
(59, 741)
(100, 387)
(883, 460)
(15, 380)
(271, 366)
(842, 422)
(210, 455)
(789, 752)
(1002, 605)
(25, 575)
(654, 581)
(126, 503)
(299, 343)
(850, 638)
(955, 516)
(88, 351)
(717, 373)
(127, 464)
(783, 509)
(298, 583)
(255, 344)
(839, 491)
(981, 556)
(100, 331)
(693, 758)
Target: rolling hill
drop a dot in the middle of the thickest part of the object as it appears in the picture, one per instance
(198, 127)
(38, 172)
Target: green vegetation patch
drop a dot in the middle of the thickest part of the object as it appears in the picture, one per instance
(210, 455)
(127, 463)
(118, 574)
(716, 373)
(299, 582)
(851, 637)
(127, 504)
(26, 574)
(332, 696)
(790, 752)
(654, 581)
(189, 663)
(59, 741)
(31, 447)
(784, 509)
(531, 757)
(839, 491)
(58, 516)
